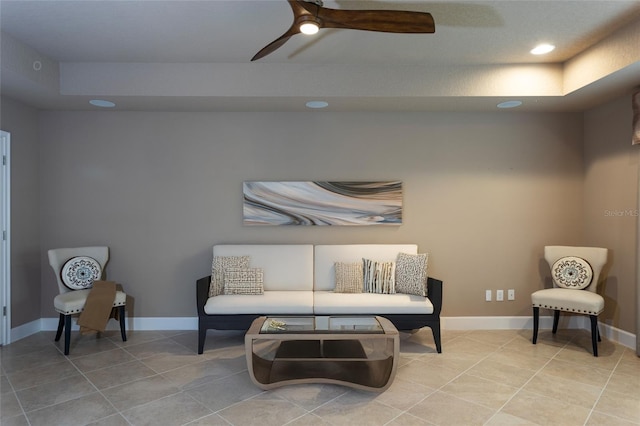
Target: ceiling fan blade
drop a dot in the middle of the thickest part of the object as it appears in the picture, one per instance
(299, 8)
(277, 43)
(389, 21)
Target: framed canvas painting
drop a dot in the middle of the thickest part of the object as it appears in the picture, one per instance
(322, 203)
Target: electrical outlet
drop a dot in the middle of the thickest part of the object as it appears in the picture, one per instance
(499, 295)
(487, 295)
(511, 294)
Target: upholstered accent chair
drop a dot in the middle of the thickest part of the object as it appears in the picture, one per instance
(575, 272)
(72, 297)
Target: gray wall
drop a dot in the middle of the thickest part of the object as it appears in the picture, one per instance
(22, 122)
(610, 210)
(484, 192)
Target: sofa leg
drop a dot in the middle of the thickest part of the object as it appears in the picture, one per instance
(435, 329)
(202, 334)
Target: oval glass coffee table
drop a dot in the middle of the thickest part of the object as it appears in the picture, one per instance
(356, 351)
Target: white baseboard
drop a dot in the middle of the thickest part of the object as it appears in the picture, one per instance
(448, 323)
(25, 330)
(143, 323)
(526, 323)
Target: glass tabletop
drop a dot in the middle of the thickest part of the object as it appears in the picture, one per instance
(321, 324)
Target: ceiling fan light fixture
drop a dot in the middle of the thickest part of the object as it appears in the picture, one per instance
(541, 49)
(309, 27)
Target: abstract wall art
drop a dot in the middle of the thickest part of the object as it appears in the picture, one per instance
(322, 203)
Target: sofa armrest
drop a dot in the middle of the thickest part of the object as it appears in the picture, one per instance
(202, 293)
(434, 292)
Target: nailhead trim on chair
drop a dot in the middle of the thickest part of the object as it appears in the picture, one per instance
(77, 311)
(566, 309)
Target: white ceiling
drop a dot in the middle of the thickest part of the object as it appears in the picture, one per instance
(195, 55)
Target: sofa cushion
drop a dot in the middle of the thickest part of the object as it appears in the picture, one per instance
(271, 302)
(219, 264)
(326, 255)
(330, 303)
(411, 274)
(349, 277)
(379, 277)
(243, 281)
(285, 266)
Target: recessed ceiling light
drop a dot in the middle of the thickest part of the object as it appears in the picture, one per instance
(317, 104)
(509, 104)
(541, 49)
(102, 103)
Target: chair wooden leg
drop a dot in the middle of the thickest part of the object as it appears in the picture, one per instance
(67, 333)
(556, 319)
(536, 317)
(594, 333)
(60, 327)
(122, 318)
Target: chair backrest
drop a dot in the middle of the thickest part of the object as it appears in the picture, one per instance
(58, 257)
(595, 256)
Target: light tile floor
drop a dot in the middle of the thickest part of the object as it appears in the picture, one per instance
(156, 378)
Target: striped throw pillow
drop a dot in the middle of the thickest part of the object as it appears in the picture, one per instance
(378, 276)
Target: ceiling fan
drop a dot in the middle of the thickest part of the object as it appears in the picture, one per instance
(309, 16)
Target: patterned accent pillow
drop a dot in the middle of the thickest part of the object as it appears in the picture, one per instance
(378, 276)
(243, 281)
(349, 278)
(219, 265)
(79, 273)
(572, 272)
(411, 273)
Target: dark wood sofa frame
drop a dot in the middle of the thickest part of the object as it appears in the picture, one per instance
(402, 322)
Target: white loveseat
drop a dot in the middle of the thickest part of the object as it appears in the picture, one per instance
(299, 279)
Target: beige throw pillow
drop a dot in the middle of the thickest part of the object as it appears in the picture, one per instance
(243, 281)
(349, 277)
(218, 266)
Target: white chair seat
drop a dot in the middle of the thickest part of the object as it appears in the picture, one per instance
(567, 300)
(73, 301)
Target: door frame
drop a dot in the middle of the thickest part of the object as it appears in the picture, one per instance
(5, 238)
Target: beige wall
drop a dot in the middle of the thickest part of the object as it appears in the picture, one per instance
(484, 192)
(22, 123)
(610, 209)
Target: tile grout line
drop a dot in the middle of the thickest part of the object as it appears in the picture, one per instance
(442, 386)
(15, 395)
(98, 391)
(593, 407)
(499, 410)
